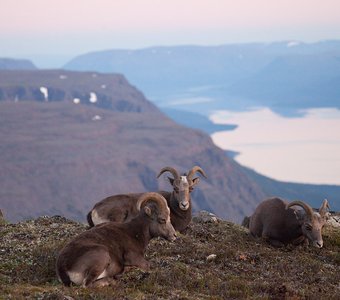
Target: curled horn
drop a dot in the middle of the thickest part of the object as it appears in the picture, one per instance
(159, 199)
(194, 170)
(323, 208)
(171, 170)
(305, 206)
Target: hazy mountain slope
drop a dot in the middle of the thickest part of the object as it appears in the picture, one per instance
(56, 160)
(311, 193)
(161, 70)
(285, 74)
(196, 121)
(296, 80)
(16, 64)
(57, 157)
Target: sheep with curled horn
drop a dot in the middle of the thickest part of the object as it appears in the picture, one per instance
(122, 208)
(96, 256)
(280, 224)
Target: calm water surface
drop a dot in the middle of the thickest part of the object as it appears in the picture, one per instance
(302, 149)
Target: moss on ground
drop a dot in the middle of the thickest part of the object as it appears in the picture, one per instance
(241, 267)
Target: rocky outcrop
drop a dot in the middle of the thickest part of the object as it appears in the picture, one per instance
(108, 91)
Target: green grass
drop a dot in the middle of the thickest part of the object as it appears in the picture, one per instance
(244, 268)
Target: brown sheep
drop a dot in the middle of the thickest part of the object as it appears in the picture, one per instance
(96, 256)
(276, 221)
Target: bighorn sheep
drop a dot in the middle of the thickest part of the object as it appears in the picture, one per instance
(122, 208)
(280, 224)
(96, 256)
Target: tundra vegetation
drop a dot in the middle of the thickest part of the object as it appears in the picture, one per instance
(213, 260)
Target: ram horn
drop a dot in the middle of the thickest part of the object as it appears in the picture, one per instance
(195, 169)
(171, 170)
(159, 199)
(305, 206)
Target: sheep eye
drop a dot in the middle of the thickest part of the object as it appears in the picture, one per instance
(308, 227)
(191, 189)
(176, 189)
(161, 221)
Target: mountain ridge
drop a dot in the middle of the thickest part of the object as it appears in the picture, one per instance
(231, 72)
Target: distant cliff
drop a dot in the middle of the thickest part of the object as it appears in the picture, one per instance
(70, 139)
(88, 88)
(16, 64)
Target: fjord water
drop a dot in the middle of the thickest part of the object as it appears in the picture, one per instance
(304, 148)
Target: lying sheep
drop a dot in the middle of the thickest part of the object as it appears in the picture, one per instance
(96, 256)
(122, 208)
(280, 224)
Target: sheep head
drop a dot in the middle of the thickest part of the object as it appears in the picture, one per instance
(156, 209)
(312, 222)
(183, 185)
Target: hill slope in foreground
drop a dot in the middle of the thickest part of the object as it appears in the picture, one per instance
(244, 268)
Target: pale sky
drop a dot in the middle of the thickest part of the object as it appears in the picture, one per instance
(74, 27)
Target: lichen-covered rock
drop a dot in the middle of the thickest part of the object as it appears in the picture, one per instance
(334, 220)
(204, 216)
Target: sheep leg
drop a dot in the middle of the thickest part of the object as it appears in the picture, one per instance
(106, 277)
(136, 260)
(143, 264)
(273, 242)
(93, 273)
(102, 282)
(100, 267)
(300, 240)
(276, 243)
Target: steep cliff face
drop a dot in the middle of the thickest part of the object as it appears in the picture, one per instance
(57, 157)
(109, 91)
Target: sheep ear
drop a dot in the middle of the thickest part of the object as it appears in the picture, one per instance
(148, 211)
(171, 180)
(296, 214)
(299, 215)
(323, 208)
(195, 181)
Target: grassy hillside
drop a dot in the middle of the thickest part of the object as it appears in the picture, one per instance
(55, 158)
(243, 268)
(64, 157)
